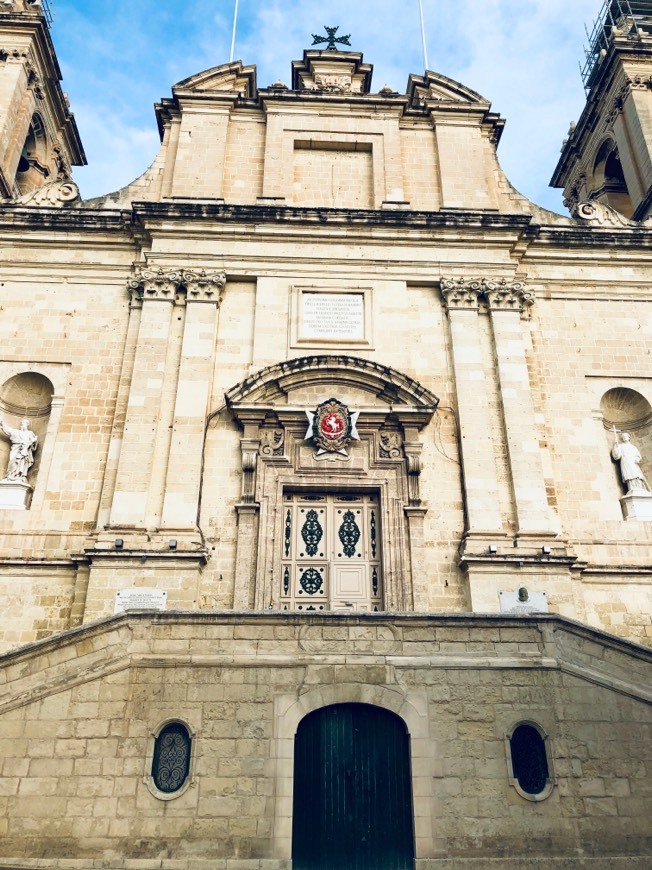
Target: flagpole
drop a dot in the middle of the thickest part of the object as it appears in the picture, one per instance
(423, 35)
(235, 25)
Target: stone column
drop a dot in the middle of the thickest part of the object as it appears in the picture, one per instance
(181, 500)
(133, 478)
(476, 451)
(507, 301)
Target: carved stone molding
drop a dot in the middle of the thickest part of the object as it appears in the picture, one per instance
(202, 286)
(54, 194)
(507, 295)
(460, 293)
(598, 214)
(155, 284)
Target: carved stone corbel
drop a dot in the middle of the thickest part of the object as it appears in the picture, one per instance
(155, 284)
(507, 295)
(460, 293)
(249, 448)
(413, 451)
(203, 287)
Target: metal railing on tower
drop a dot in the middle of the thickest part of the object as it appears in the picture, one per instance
(632, 18)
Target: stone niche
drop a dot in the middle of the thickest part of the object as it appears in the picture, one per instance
(25, 395)
(627, 411)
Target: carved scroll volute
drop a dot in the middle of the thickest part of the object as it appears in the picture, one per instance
(272, 442)
(203, 286)
(461, 293)
(506, 295)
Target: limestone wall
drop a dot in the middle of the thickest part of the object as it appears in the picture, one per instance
(77, 717)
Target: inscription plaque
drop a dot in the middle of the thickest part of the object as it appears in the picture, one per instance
(140, 599)
(334, 316)
(523, 601)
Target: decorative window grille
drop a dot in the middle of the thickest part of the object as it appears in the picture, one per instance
(529, 759)
(171, 761)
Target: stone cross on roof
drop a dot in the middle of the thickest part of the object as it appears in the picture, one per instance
(331, 39)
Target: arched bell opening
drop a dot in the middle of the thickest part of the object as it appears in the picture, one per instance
(609, 184)
(32, 171)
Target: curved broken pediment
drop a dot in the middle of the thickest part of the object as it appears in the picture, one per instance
(434, 86)
(226, 78)
(274, 383)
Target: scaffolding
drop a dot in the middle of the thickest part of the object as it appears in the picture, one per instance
(633, 18)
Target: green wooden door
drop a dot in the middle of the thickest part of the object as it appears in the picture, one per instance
(352, 791)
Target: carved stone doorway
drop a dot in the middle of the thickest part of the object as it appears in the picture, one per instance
(331, 556)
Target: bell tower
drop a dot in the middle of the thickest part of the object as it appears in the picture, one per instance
(39, 140)
(607, 157)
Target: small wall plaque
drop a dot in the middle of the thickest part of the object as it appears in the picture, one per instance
(140, 599)
(523, 601)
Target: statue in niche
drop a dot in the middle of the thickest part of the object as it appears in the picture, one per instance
(628, 457)
(23, 447)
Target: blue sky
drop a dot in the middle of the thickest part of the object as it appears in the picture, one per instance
(120, 56)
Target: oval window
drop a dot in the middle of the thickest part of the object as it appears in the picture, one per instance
(171, 762)
(529, 759)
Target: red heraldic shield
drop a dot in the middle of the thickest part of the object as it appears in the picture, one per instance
(332, 426)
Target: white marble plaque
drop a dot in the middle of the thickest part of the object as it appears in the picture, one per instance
(140, 599)
(514, 602)
(334, 316)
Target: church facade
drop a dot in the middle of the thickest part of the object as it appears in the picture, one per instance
(326, 518)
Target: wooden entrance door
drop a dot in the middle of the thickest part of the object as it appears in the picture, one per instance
(331, 553)
(352, 791)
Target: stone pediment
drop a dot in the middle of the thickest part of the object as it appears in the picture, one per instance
(436, 87)
(231, 78)
(273, 384)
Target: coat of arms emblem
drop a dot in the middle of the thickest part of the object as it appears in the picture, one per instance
(332, 426)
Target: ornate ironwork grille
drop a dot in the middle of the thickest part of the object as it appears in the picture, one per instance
(529, 760)
(352, 791)
(331, 553)
(171, 762)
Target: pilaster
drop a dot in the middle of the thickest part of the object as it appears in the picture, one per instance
(461, 298)
(507, 302)
(181, 500)
(158, 291)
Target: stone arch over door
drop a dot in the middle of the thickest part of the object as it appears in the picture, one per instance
(410, 707)
(385, 463)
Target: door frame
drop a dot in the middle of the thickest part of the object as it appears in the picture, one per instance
(410, 706)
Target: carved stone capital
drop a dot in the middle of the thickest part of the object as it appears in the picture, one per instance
(203, 287)
(461, 293)
(54, 194)
(507, 295)
(155, 284)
